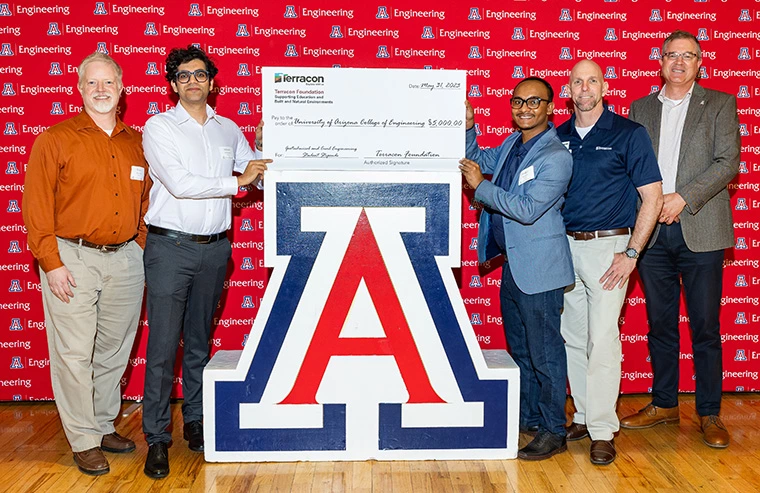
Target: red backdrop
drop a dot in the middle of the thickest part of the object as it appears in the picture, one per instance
(497, 42)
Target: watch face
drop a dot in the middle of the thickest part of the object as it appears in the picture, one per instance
(631, 253)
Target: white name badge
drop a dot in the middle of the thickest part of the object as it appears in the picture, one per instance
(526, 175)
(226, 153)
(137, 173)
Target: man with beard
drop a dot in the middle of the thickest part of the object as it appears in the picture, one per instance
(613, 166)
(192, 153)
(86, 192)
(521, 220)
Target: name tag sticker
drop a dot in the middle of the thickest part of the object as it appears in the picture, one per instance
(526, 175)
(227, 153)
(137, 173)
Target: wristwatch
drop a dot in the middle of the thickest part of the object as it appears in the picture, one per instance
(631, 253)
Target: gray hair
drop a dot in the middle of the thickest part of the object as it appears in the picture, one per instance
(98, 57)
(679, 34)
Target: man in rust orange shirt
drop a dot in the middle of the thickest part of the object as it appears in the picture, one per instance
(86, 192)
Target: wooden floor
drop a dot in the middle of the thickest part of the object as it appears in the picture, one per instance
(34, 456)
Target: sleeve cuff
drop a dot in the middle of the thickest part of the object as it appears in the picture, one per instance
(50, 262)
(230, 185)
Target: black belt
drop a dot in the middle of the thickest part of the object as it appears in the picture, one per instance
(590, 235)
(103, 248)
(179, 235)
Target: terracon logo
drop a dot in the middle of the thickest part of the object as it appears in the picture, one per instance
(362, 347)
(279, 77)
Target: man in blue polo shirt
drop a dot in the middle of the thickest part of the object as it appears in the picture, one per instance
(521, 219)
(613, 166)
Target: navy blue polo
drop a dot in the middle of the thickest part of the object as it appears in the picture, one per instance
(609, 164)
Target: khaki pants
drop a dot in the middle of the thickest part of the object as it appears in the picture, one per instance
(90, 338)
(592, 336)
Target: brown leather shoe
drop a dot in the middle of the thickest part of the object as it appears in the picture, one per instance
(715, 432)
(576, 431)
(117, 444)
(92, 462)
(649, 416)
(602, 452)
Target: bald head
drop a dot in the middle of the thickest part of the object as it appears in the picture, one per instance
(587, 88)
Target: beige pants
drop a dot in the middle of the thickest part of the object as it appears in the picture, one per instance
(90, 338)
(592, 337)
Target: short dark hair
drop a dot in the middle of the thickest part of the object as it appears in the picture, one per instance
(178, 56)
(679, 34)
(542, 81)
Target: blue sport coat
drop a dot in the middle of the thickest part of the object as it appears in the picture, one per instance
(537, 247)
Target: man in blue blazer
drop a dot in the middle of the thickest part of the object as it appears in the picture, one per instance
(521, 220)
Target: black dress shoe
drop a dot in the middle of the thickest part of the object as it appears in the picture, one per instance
(542, 447)
(157, 462)
(194, 435)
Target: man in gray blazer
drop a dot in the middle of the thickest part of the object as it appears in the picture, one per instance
(521, 219)
(695, 133)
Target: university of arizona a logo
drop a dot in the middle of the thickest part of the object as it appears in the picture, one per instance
(362, 346)
(242, 31)
(243, 70)
(152, 69)
(55, 69)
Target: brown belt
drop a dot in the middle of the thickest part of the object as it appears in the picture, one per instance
(590, 235)
(102, 248)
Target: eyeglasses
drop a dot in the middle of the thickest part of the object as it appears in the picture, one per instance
(532, 102)
(674, 55)
(200, 75)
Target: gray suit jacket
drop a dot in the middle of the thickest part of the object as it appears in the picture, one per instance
(708, 161)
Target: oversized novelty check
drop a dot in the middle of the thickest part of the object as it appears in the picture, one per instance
(363, 119)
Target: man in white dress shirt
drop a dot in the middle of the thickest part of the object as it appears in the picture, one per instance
(192, 153)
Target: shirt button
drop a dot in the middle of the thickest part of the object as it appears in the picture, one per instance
(113, 156)
(114, 175)
(117, 194)
(117, 213)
